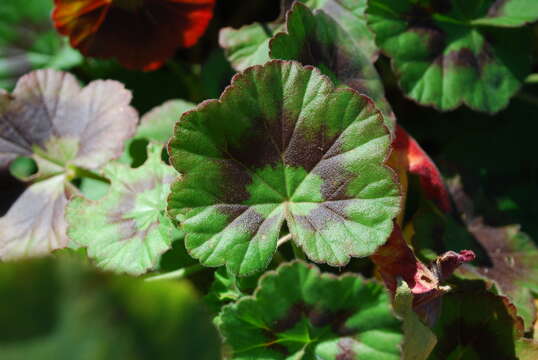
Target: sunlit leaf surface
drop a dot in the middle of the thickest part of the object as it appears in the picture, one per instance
(282, 144)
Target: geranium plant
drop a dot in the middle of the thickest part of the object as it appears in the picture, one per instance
(290, 201)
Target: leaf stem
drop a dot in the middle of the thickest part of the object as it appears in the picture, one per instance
(78, 172)
(177, 274)
(284, 239)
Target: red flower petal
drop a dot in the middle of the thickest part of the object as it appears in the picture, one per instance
(141, 38)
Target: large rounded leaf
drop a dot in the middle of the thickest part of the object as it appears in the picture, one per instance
(282, 144)
(298, 313)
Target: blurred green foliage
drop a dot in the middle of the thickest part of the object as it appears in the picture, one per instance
(60, 308)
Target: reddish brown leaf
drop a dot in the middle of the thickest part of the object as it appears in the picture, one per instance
(414, 159)
(512, 253)
(396, 260)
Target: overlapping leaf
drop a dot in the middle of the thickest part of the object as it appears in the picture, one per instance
(249, 45)
(351, 16)
(314, 38)
(476, 324)
(28, 41)
(444, 57)
(64, 129)
(127, 230)
(298, 313)
(282, 144)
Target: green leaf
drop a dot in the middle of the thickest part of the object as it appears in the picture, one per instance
(224, 289)
(64, 129)
(282, 144)
(127, 230)
(57, 308)
(227, 288)
(157, 125)
(299, 313)
(314, 38)
(93, 189)
(246, 46)
(475, 324)
(443, 59)
(526, 349)
(351, 16)
(509, 13)
(28, 41)
(249, 45)
(419, 340)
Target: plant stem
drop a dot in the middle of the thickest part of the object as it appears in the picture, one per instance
(177, 274)
(284, 239)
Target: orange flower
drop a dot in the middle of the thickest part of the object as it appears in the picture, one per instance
(141, 34)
